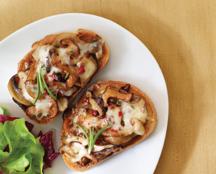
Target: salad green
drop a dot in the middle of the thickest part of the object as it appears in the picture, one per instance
(4, 111)
(20, 151)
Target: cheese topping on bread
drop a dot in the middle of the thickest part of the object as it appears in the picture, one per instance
(41, 55)
(43, 106)
(107, 119)
(132, 114)
(58, 66)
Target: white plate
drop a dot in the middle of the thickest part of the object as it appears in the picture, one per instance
(130, 61)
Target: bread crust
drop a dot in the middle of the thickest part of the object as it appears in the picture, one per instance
(149, 126)
(50, 39)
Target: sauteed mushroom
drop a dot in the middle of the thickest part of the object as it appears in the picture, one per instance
(16, 92)
(119, 140)
(115, 94)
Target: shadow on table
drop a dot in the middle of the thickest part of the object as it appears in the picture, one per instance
(175, 61)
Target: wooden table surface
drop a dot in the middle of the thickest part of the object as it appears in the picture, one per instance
(182, 36)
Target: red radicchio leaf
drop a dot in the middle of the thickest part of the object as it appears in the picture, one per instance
(4, 118)
(47, 143)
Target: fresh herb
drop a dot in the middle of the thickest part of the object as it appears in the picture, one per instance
(45, 85)
(38, 89)
(42, 86)
(84, 130)
(91, 136)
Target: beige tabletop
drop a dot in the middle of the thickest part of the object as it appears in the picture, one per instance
(182, 36)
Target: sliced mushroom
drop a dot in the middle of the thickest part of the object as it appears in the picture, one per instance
(70, 91)
(87, 36)
(90, 67)
(110, 92)
(71, 80)
(98, 148)
(119, 140)
(135, 98)
(71, 47)
(30, 87)
(62, 104)
(125, 88)
(16, 92)
(85, 161)
(106, 152)
(95, 106)
(65, 42)
(99, 90)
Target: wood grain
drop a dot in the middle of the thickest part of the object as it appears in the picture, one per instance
(182, 36)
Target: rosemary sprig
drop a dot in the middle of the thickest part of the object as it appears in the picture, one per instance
(92, 136)
(42, 86)
(91, 140)
(84, 130)
(38, 90)
(45, 85)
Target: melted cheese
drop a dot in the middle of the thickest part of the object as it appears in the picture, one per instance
(41, 55)
(23, 77)
(43, 106)
(113, 117)
(140, 111)
(76, 151)
(91, 121)
(86, 47)
(90, 68)
(99, 53)
(69, 92)
(134, 115)
(64, 56)
(52, 71)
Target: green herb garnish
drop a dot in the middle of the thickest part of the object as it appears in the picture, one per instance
(42, 86)
(38, 90)
(92, 136)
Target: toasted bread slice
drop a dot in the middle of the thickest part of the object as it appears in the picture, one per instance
(55, 70)
(116, 115)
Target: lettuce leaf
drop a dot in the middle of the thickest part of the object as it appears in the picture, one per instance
(4, 111)
(20, 151)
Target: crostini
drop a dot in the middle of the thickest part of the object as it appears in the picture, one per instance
(55, 70)
(109, 118)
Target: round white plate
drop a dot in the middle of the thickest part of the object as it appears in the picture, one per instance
(130, 61)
